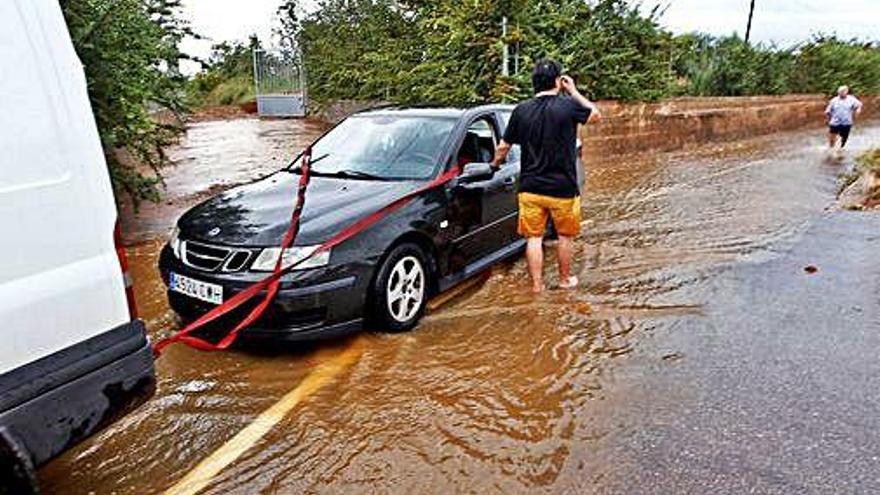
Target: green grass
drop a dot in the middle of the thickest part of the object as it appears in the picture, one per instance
(235, 91)
(868, 162)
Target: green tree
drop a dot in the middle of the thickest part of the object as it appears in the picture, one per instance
(129, 49)
(459, 54)
(227, 77)
(618, 51)
(353, 49)
(449, 51)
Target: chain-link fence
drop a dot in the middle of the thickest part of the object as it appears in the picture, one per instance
(280, 84)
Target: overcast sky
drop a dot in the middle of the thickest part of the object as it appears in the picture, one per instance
(784, 22)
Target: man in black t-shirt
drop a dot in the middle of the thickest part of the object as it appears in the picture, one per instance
(546, 128)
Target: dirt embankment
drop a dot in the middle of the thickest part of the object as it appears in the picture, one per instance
(683, 122)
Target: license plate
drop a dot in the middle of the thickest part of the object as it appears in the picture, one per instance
(202, 291)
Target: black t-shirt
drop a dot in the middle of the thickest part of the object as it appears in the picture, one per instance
(545, 127)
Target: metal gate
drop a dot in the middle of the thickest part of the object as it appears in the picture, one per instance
(280, 84)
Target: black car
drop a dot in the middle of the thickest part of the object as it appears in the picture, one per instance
(383, 275)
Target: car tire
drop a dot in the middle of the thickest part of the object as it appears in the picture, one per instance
(399, 293)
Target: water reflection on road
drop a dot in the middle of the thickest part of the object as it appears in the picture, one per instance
(496, 391)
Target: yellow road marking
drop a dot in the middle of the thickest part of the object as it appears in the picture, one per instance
(202, 475)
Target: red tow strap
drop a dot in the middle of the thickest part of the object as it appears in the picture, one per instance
(272, 282)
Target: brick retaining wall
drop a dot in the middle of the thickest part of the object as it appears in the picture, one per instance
(681, 122)
(678, 123)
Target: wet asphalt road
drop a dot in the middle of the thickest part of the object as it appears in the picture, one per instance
(697, 357)
(774, 389)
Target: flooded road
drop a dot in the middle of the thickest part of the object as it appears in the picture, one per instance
(697, 357)
(214, 156)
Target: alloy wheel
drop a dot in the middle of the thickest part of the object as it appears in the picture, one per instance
(405, 289)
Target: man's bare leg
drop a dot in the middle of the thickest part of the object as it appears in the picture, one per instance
(832, 139)
(535, 260)
(564, 252)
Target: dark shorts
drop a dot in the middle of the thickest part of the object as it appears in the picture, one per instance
(840, 130)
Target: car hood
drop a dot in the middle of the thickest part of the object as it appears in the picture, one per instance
(258, 214)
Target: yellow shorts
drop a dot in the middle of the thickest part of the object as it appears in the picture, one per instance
(535, 208)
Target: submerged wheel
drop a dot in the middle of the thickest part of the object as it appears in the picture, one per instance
(400, 291)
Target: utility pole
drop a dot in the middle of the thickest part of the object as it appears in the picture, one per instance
(505, 53)
(749, 26)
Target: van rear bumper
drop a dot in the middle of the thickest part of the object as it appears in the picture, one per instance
(53, 403)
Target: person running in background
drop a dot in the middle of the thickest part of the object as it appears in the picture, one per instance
(840, 113)
(545, 127)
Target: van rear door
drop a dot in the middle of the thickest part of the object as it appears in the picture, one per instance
(60, 280)
(72, 359)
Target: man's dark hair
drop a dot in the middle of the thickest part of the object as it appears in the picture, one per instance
(545, 74)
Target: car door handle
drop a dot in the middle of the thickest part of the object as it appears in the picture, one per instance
(509, 181)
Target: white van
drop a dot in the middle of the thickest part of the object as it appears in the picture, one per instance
(73, 355)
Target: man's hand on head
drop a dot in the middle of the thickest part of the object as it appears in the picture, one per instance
(568, 84)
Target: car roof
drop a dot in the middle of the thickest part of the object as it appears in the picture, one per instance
(433, 110)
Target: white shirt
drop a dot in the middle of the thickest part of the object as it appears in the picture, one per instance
(841, 110)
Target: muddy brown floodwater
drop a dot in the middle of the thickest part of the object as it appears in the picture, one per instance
(216, 155)
(603, 389)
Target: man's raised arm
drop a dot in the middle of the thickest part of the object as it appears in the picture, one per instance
(571, 88)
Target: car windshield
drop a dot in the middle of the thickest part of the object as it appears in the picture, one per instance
(382, 147)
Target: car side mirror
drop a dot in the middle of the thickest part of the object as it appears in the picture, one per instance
(475, 172)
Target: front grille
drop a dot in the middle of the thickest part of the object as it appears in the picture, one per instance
(212, 258)
(237, 260)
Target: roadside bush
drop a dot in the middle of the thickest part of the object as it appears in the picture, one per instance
(825, 63)
(729, 66)
(129, 51)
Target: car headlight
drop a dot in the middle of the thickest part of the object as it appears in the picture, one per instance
(265, 262)
(174, 241)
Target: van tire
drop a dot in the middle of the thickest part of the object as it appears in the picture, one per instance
(17, 473)
(404, 279)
